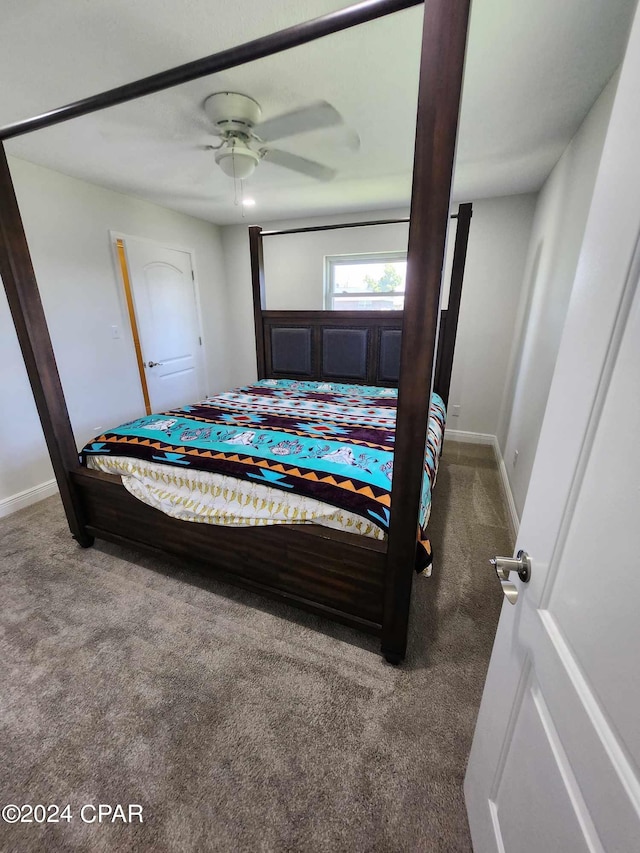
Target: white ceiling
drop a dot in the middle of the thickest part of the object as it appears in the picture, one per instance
(533, 71)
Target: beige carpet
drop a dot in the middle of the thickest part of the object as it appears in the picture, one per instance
(239, 724)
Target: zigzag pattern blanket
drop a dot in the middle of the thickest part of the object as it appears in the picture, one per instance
(328, 441)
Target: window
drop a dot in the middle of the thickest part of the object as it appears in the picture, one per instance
(365, 282)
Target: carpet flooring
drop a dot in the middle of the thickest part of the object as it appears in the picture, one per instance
(239, 724)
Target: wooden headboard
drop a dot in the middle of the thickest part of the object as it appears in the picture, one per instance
(359, 347)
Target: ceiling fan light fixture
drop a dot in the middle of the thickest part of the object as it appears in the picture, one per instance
(237, 160)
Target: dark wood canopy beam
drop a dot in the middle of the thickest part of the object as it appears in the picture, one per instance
(310, 228)
(441, 72)
(295, 36)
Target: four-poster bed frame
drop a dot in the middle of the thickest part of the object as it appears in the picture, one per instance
(363, 582)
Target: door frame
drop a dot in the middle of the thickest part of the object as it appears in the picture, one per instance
(127, 320)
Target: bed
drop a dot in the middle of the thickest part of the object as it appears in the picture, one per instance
(360, 580)
(279, 451)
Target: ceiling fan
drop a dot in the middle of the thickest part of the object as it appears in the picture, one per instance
(245, 140)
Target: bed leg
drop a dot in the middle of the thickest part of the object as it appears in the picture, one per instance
(394, 658)
(83, 539)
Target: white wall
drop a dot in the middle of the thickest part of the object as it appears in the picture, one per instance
(556, 238)
(67, 223)
(498, 242)
(294, 265)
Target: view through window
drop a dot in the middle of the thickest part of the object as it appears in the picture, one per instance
(365, 282)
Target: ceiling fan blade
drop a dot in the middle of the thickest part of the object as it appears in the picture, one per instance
(299, 164)
(315, 117)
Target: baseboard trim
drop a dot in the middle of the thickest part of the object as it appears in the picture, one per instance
(29, 496)
(471, 437)
(506, 488)
(486, 438)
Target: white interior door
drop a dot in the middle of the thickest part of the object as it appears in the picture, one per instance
(163, 288)
(555, 762)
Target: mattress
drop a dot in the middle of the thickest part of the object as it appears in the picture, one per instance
(275, 452)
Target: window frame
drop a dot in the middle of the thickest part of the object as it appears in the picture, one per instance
(331, 262)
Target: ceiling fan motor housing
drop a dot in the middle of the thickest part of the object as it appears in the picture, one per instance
(232, 113)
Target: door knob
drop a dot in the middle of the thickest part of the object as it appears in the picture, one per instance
(505, 565)
(154, 363)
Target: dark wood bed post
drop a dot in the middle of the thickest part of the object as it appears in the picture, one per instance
(447, 336)
(23, 296)
(259, 298)
(441, 72)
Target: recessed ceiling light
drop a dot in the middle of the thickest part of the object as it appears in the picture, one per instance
(249, 202)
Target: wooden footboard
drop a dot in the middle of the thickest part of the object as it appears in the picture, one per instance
(336, 574)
